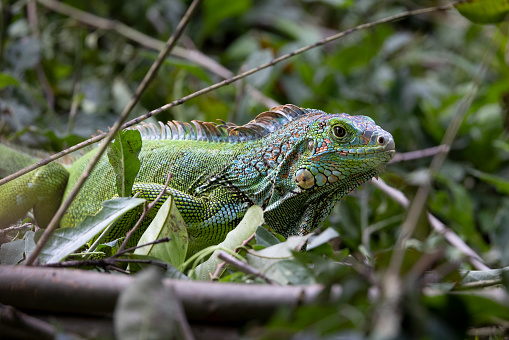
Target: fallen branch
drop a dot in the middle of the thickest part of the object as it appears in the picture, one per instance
(17, 325)
(85, 292)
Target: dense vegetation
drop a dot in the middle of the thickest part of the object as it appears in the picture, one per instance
(65, 75)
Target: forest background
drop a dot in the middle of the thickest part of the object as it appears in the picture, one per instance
(66, 73)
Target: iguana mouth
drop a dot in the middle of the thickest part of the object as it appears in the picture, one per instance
(370, 152)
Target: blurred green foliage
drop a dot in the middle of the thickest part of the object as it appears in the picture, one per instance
(61, 80)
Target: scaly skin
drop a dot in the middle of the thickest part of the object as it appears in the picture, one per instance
(296, 173)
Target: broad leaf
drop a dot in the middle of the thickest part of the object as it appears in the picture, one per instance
(123, 157)
(483, 275)
(66, 240)
(484, 11)
(12, 252)
(167, 223)
(265, 238)
(324, 237)
(246, 228)
(146, 309)
(268, 260)
(500, 183)
(6, 80)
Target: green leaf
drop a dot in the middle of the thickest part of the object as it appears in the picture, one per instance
(66, 240)
(217, 10)
(112, 245)
(484, 275)
(265, 238)
(29, 242)
(268, 260)
(246, 228)
(147, 310)
(7, 80)
(500, 183)
(123, 157)
(327, 235)
(12, 252)
(255, 59)
(167, 223)
(484, 11)
(484, 309)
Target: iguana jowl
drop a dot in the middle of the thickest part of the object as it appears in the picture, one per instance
(295, 163)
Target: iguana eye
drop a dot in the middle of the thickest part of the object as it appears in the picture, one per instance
(339, 131)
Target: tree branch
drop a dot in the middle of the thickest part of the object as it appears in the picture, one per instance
(428, 152)
(86, 292)
(17, 325)
(243, 267)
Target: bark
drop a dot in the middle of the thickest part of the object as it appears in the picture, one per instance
(92, 293)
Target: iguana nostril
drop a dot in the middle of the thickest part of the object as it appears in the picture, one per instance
(381, 140)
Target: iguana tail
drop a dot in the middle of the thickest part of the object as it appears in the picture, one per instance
(41, 189)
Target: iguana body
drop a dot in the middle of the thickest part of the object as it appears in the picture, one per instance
(295, 163)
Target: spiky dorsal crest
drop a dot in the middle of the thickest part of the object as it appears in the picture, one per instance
(265, 123)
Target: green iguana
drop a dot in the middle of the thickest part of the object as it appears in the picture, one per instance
(295, 163)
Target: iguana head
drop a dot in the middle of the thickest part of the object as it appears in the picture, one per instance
(341, 149)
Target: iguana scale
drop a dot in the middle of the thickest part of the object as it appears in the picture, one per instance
(295, 163)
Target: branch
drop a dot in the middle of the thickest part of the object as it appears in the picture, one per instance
(18, 325)
(428, 152)
(438, 226)
(224, 83)
(128, 250)
(55, 221)
(243, 267)
(85, 292)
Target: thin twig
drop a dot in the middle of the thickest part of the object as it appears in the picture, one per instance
(419, 201)
(220, 266)
(224, 83)
(388, 318)
(41, 75)
(478, 284)
(428, 152)
(128, 250)
(27, 226)
(243, 267)
(116, 127)
(109, 262)
(438, 226)
(145, 211)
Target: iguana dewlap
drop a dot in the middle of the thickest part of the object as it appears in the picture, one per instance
(295, 163)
